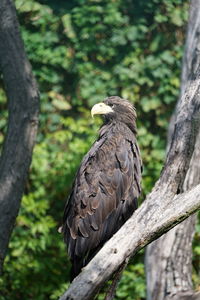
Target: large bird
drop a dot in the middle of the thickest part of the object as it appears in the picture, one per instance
(107, 184)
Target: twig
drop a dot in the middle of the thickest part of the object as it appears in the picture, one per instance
(110, 294)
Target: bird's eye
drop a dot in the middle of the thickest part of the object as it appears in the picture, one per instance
(112, 105)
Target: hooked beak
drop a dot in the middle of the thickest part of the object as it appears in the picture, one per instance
(101, 109)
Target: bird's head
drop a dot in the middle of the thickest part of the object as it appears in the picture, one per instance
(116, 109)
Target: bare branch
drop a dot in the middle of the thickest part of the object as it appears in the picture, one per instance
(137, 232)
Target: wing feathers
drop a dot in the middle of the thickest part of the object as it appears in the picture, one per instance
(104, 195)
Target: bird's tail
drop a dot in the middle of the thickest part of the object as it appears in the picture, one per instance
(79, 262)
(77, 265)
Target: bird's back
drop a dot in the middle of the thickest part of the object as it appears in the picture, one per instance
(104, 194)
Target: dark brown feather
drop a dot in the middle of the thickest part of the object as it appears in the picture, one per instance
(106, 187)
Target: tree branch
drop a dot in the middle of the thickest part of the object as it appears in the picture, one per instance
(137, 232)
(23, 105)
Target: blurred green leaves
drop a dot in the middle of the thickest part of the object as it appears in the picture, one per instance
(82, 51)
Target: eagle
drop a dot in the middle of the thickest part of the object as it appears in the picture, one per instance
(107, 184)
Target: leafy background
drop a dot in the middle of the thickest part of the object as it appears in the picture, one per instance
(82, 51)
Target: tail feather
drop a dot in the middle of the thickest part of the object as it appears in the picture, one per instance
(79, 262)
(77, 265)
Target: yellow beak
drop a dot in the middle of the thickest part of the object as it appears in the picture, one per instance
(100, 109)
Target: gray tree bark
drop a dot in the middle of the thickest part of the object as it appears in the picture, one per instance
(169, 259)
(23, 106)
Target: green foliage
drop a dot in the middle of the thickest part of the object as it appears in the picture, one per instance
(82, 51)
(132, 283)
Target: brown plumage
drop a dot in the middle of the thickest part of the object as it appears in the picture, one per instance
(107, 184)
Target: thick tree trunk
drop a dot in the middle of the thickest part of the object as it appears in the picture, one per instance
(169, 259)
(23, 105)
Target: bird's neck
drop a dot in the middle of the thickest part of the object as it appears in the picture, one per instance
(114, 126)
